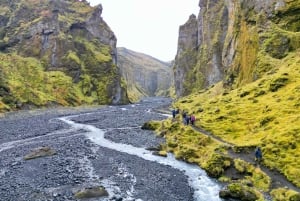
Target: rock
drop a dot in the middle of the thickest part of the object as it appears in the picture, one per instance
(93, 192)
(238, 191)
(40, 152)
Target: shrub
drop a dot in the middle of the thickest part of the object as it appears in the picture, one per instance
(151, 125)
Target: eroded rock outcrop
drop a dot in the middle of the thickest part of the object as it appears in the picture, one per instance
(67, 36)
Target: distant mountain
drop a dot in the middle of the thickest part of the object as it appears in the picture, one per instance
(144, 74)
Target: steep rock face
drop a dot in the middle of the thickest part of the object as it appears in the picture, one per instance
(68, 36)
(185, 57)
(237, 42)
(145, 76)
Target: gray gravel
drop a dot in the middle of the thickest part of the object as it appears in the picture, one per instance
(79, 163)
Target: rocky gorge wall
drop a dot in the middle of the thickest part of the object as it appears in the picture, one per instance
(145, 76)
(233, 41)
(65, 36)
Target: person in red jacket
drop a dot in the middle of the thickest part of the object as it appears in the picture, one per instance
(193, 119)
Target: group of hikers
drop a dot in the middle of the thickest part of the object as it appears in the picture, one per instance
(190, 119)
(187, 119)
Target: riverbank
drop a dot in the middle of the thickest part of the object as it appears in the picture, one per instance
(231, 164)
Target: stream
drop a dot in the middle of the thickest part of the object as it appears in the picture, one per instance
(103, 146)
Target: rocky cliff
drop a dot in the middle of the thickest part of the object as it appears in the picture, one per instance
(66, 37)
(145, 76)
(234, 41)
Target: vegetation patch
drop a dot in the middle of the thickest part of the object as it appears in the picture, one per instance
(151, 125)
(186, 143)
(283, 194)
(216, 165)
(252, 175)
(278, 83)
(239, 191)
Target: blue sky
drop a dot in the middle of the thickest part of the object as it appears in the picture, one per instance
(148, 26)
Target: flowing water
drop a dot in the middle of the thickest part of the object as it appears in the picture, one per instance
(204, 187)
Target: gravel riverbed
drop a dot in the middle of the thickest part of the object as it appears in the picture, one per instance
(80, 163)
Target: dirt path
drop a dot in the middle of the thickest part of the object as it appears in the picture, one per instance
(278, 180)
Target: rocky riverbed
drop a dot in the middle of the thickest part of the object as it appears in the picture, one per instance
(59, 155)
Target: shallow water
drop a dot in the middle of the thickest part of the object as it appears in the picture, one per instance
(204, 187)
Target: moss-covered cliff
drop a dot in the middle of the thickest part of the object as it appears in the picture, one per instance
(145, 76)
(237, 71)
(263, 113)
(65, 38)
(234, 41)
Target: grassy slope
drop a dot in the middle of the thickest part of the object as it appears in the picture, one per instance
(264, 113)
(257, 115)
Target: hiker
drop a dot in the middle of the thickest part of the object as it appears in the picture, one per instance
(173, 113)
(187, 119)
(193, 119)
(177, 111)
(258, 154)
(184, 117)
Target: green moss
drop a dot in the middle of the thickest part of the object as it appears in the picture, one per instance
(242, 192)
(216, 165)
(81, 7)
(283, 194)
(287, 16)
(151, 125)
(278, 83)
(278, 46)
(85, 84)
(240, 165)
(248, 47)
(29, 84)
(266, 120)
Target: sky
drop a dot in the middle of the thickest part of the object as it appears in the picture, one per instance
(148, 26)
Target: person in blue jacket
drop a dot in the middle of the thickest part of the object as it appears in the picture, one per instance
(258, 154)
(173, 113)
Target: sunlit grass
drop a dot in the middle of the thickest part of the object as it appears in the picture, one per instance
(265, 113)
